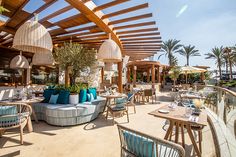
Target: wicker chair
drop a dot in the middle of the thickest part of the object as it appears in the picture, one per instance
(14, 115)
(114, 109)
(137, 144)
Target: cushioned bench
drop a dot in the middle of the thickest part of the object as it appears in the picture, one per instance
(67, 114)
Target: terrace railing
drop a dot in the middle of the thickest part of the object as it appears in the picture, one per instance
(221, 106)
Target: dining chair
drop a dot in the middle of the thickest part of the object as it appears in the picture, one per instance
(14, 115)
(137, 144)
(149, 93)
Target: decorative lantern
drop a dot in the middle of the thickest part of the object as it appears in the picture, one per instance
(19, 62)
(34, 37)
(109, 67)
(109, 51)
(43, 58)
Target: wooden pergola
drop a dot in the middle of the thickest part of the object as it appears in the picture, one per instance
(136, 35)
(153, 68)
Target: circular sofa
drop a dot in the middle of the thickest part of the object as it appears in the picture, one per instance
(68, 114)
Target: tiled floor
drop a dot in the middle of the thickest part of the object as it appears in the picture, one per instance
(98, 138)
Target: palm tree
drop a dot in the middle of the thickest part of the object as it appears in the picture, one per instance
(170, 47)
(217, 54)
(189, 51)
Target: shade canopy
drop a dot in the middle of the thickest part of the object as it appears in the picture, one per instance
(32, 37)
(43, 57)
(19, 62)
(109, 51)
(190, 70)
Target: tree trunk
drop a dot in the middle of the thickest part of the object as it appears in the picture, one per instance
(230, 68)
(187, 61)
(220, 70)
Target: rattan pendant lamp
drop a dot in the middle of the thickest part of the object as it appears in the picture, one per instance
(19, 62)
(34, 37)
(109, 51)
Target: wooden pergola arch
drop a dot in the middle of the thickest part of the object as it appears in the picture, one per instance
(90, 26)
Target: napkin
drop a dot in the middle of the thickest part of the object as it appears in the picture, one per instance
(193, 119)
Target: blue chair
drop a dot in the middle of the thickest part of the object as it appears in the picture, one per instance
(14, 115)
(137, 144)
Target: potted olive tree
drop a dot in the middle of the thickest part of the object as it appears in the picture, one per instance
(174, 74)
(77, 58)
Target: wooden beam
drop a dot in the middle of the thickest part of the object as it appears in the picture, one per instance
(146, 48)
(137, 31)
(49, 3)
(110, 4)
(88, 10)
(138, 35)
(134, 18)
(124, 11)
(65, 9)
(134, 50)
(135, 25)
(138, 39)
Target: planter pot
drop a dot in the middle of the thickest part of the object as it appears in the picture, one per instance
(74, 99)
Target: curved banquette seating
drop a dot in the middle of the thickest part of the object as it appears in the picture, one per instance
(68, 114)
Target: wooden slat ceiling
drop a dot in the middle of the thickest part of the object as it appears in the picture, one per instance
(135, 33)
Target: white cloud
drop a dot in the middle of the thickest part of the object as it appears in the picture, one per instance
(182, 10)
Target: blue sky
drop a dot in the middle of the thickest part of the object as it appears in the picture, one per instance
(203, 23)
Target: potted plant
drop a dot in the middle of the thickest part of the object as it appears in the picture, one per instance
(75, 57)
(174, 74)
(74, 94)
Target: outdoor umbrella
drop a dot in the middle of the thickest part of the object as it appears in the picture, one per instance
(190, 70)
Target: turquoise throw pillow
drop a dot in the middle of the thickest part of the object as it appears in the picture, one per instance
(53, 99)
(138, 145)
(88, 97)
(63, 97)
(47, 95)
(93, 91)
(8, 110)
(82, 95)
(121, 100)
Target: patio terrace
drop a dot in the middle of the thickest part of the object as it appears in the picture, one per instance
(97, 138)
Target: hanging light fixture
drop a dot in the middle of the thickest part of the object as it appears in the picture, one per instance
(109, 51)
(19, 62)
(109, 67)
(34, 37)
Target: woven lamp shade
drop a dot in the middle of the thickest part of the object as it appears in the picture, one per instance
(109, 67)
(43, 58)
(19, 62)
(109, 51)
(32, 37)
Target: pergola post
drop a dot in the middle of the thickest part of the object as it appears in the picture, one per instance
(134, 77)
(102, 75)
(158, 74)
(148, 75)
(153, 74)
(120, 87)
(128, 75)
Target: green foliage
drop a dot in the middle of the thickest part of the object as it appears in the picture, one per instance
(2, 9)
(217, 55)
(170, 47)
(174, 73)
(76, 56)
(189, 51)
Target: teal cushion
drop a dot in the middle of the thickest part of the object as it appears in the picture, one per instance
(82, 95)
(8, 110)
(130, 96)
(138, 145)
(47, 95)
(53, 99)
(93, 91)
(121, 100)
(63, 97)
(88, 97)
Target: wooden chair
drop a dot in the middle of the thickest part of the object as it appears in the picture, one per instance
(149, 93)
(134, 143)
(113, 110)
(130, 101)
(14, 115)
